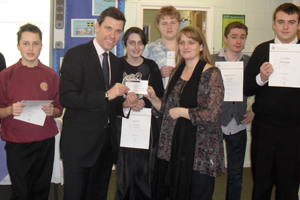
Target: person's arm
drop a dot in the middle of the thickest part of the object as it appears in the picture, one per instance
(210, 110)
(266, 70)
(258, 60)
(51, 111)
(166, 71)
(155, 82)
(151, 96)
(249, 116)
(7, 109)
(2, 62)
(177, 112)
(76, 88)
(72, 78)
(15, 110)
(131, 100)
(5, 112)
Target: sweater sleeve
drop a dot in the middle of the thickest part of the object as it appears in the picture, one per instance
(259, 56)
(210, 100)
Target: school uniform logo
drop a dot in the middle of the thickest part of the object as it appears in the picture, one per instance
(44, 86)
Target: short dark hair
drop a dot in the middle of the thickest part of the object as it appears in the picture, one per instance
(29, 28)
(113, 13)
(289, 9)
(136, 30)
(233, 25)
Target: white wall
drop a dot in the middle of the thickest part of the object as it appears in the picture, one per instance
(15, 13)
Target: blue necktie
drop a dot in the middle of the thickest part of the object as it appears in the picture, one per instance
(105, 69)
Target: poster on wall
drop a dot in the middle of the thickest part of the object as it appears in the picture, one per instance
(231, 18)
(100, 5)
(83, 27)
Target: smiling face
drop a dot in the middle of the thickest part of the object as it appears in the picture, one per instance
(30, 46)
(235, 40)
(135, 46)
(109, 33)
(286, 26)
(168, 27)
(189, 49)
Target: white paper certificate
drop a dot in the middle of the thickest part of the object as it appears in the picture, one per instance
(233, 77)
(32, 112)
(285, 59)
(170, 58)
(138, 87)
(135, 131)
(170, 62)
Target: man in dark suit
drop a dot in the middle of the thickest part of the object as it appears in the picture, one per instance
(89, 138)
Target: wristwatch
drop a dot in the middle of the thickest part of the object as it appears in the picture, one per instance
(106, 95)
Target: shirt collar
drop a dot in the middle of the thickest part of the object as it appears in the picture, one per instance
(162, 45)
(223, 54)
(99, 49)
(20, 64)
(277, 41)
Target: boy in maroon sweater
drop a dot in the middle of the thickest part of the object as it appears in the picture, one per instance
(29, 147)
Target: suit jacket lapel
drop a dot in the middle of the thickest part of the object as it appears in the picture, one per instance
(98, 68)
(96, 65)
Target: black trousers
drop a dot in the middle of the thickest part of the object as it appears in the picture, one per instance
(133, 174)
(30, 167)
(202, 186)
(236, 148)
(89, 183)
(275, 156)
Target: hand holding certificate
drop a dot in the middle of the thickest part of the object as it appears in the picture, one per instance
(32, 112)
(170, 62)
(138, 86)
(232, 74)
(171, 59)
(285, 59)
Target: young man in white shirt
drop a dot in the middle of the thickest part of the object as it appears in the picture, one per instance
(275, 148)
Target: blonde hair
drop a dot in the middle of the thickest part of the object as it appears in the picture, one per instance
(196, 34)
(170, 11)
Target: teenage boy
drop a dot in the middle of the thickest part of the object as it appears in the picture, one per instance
(275, 148)
(91, 79)
(168, 23)
(29, 147)
(234, 116)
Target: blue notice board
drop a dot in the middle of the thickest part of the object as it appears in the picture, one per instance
(84, 10)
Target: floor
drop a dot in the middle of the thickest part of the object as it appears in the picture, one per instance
(219, 194)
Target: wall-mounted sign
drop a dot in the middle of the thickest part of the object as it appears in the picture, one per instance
(100, 5)
(83, 27)
(231, 18)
